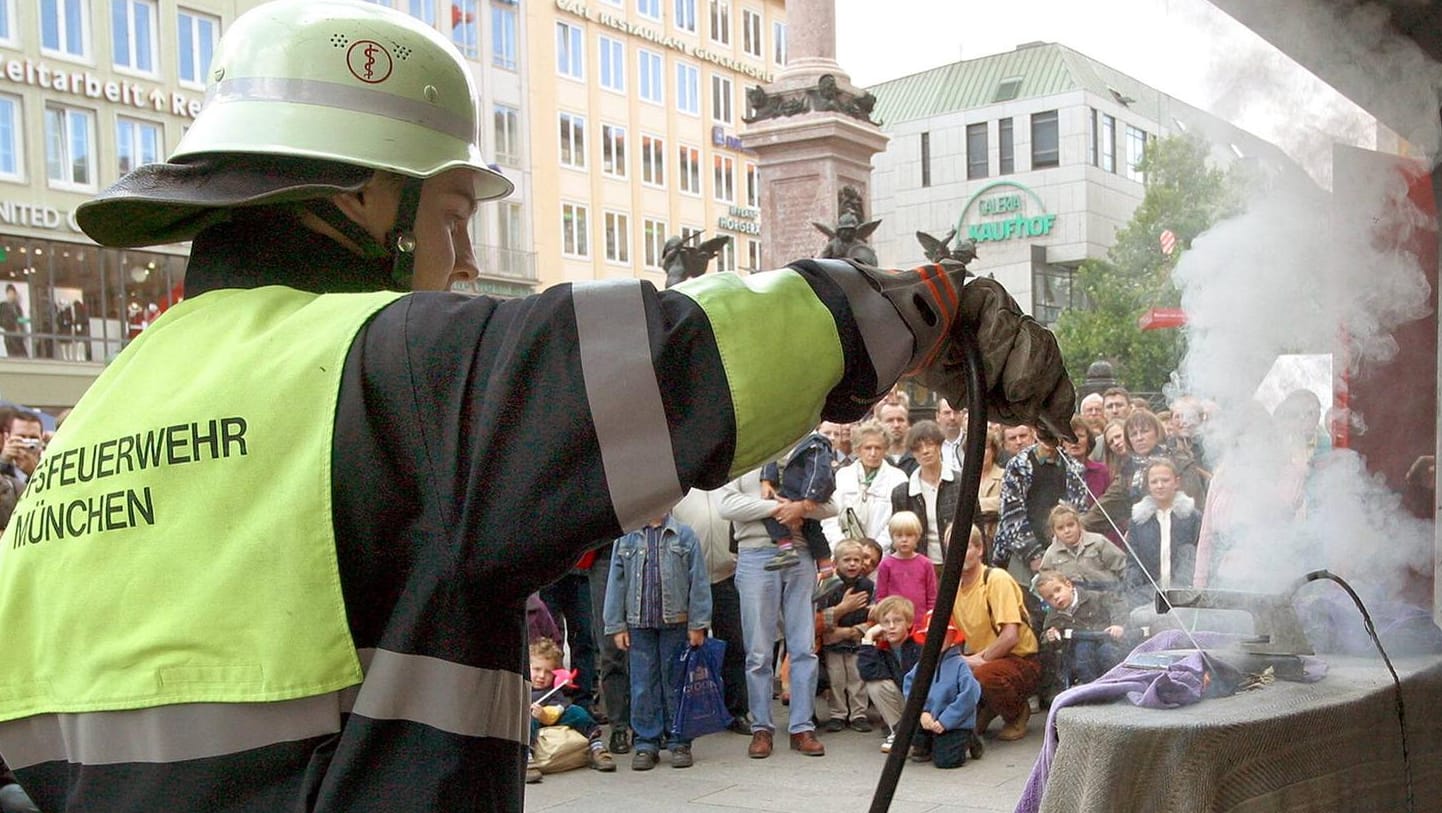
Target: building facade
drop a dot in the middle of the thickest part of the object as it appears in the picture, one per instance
(636, 107)
(90, 89)
(1032, 153)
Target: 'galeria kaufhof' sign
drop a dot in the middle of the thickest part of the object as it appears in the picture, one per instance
(1004, 210)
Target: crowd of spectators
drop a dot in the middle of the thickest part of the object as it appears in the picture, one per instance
(1073, 539)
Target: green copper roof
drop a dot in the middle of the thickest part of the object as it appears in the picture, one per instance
(1042, 69)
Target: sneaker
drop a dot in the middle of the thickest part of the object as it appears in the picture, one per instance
(620, 740)
(888, 742)
(783, 559)
(862, 725)
(643, 761)
(835, 724)
(681, 757)
(826, 587)
(601, 760)
(533, 774)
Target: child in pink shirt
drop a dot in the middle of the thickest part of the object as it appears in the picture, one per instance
(903, 572)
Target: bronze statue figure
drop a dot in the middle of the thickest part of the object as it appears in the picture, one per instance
(938, 250)
(848, 240)
(685, 259)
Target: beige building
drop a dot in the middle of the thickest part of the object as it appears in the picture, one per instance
(90, 89)
(635, 112)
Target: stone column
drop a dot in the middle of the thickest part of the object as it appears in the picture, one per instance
(804, 159)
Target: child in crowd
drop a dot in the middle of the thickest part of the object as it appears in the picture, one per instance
(887, 653)
(1079, 554)
(556, 709)
(1076, 608)
(872, 554)
(658, 600)
(944, 735)
(842, 638)
(805, 475)
(903, 572)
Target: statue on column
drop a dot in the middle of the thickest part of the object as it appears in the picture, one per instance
(684, 258)
(939, 250)
(847, 240)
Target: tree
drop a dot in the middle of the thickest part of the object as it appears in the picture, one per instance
(1183, 194)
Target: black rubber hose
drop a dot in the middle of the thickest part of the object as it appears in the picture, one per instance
(950, 575)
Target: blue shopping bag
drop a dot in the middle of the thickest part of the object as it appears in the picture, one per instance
(701, 703)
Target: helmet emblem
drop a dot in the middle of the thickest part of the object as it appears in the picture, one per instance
(369, 61)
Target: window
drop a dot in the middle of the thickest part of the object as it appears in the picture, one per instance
(653, 234)
(132, 32)
(1044, 148)
(573, 141)
(424, 10)
(653, 160)
(686, 15)
(1054, 291)
(648, 74)
(751, 32)
(726, 260)
(11, 156)
(926, 159)
(721, 22)
(753, 255)
(976, 160)
(753, 187)
(778, 39)
(688, 89)
(690, 170)
(198, 35)
(70, 147)
(1005, 144)
(1136, 145)
(575, 240)
(137, 143)
(613, 65)
(1109, 143)
(503, 37)
(649, 8)
(1007, 89)
(7, 21)
(723, 178)
(618, 237)
(613, 150)
(1092, 136)
(721, 98)
(465, 30)
(570, 53)
(508, 135)
(510, 239)
(65, 27)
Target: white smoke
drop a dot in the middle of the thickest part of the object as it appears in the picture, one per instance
(1302, 272)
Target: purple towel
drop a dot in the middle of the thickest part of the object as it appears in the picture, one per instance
(1180, 684)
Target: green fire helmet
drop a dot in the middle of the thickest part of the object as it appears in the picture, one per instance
(300, 94)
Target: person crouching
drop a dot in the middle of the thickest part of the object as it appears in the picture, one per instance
(948, 718)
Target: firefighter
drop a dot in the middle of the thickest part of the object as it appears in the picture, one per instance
(278, 556)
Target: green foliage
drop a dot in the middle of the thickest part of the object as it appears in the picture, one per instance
(1183, 194)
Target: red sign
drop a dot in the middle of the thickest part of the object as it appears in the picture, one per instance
(1160, 318)
(1169, 241)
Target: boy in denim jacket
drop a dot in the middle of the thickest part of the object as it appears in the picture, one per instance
(658, 600)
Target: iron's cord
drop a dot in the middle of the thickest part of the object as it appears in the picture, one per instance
(1396, 682)
(950, 574)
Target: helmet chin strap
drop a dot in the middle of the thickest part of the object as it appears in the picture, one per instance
(400, 241)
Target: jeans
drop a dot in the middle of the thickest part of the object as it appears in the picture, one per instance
(570, 598)
(611, 662)
(655, 664)
(765, 595)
